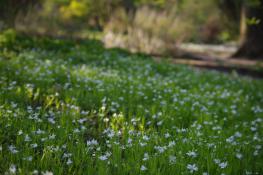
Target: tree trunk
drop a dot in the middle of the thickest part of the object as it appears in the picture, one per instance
(129, 8)
(252, 46)
(243, 24)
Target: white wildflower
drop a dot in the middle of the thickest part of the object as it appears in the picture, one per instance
(92, 142)
(47, 173)
(146, 138)
(76, 130)
(191, 154)
(192, 168)
(34, 145)
(129, 141)
(230, 139)
(239, 155)
(39, 131)
(27, 138)
(51, 120)
(145, 157)
(35, 172)
(160, 149)
(142, 144)
(52, 136)
(167, 135)
(171, 144)
(13, 149)
(69, 162)
(222, 165)
(160, 123)
(103, 157)
(172, 159)
(20, 132)
(238, 134)
(12, 169)
(217, 161)
(111, 134)
(29, 158)
(143, 168)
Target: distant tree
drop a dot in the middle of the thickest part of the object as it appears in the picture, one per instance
(9, 9)
(129, 6)
(97, 12)
(249, 13)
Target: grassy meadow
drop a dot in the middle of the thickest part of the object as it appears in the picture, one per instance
(74, 107)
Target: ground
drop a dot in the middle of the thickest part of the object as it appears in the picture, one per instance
(69, 107)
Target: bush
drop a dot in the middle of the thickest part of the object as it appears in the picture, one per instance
(7, 38)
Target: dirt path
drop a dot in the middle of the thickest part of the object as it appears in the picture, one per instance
(217, 58)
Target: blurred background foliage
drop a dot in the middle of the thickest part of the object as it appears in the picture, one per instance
(140, 25)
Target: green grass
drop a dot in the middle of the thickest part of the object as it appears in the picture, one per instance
(77, 108)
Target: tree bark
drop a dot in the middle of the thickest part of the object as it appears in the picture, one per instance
(252, 46)
(243, 24)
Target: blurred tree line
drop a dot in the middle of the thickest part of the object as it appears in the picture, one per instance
(170, 20)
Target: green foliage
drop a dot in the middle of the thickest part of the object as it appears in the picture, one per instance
(69, 107)
(7, 38)
(253, 21)
(157, 3)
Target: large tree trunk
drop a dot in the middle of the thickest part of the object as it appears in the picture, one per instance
(252, 46)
